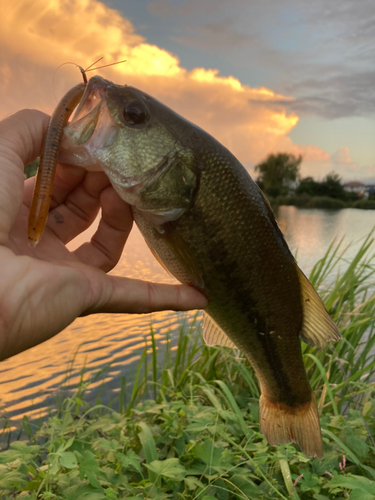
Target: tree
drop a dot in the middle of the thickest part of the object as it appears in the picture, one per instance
(310, 187)
(278, 172)
(333, 187)
(330, 186)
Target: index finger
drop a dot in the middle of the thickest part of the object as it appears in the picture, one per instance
(21, 139)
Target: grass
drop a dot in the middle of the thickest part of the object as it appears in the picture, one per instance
(189, 429)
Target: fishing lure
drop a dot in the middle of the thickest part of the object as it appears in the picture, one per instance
(48, 160)
(50, 152)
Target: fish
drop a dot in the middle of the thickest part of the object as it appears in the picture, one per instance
(211, 227)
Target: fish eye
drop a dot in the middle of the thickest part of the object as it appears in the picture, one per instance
(135, 113)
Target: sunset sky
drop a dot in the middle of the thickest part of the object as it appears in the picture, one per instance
(260, 76)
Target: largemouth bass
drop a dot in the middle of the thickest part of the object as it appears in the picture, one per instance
(210, 225)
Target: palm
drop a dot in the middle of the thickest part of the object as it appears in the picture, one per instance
(43, 289)
(63, 279)
(76, 200)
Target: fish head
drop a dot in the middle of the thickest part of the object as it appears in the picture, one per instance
(137, 142)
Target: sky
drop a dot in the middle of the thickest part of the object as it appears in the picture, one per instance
(262, 77)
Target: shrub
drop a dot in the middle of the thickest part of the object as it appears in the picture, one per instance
(364, 204)
(326, 202)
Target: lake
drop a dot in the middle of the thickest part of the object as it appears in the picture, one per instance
(31, 380)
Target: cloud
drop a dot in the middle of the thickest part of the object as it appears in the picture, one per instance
(214, 36)
(318, 163)
(342, 162)
(320, 52)
(38, 37)
(249, 121)
(342, 156)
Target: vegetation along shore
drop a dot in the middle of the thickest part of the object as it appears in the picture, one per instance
(188, 428)
(279, 178)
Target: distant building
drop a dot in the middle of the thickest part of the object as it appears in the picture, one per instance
(370, 191)
(355, 187)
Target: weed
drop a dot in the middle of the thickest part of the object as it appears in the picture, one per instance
(189, 428)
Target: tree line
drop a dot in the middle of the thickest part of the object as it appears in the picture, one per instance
(279, 173)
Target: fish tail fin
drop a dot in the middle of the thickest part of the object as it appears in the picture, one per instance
(282, 424)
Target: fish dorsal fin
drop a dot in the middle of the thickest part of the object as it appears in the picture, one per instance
(213, 334)
(267, 203)
(318, 327)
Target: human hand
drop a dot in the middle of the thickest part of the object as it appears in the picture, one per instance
(43, 289)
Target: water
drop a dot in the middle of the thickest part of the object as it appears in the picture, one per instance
(31, 381)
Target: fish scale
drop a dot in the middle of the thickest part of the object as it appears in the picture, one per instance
(208, 223)
(245, 289)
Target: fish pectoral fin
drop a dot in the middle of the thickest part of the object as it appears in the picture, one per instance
(213, 334)
(159, 259)
(318, 327)
(184, 256)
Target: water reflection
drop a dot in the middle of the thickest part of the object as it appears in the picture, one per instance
(32, 379)
(309, 232)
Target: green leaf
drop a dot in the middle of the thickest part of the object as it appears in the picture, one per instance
(130, 459)
(20, 450)
(149, 448)
(349, 453)
(89, 467)
(360, 495)
(68, 460)
(170, 468)
(209, 454)
(358, 446)
(85, 492)
(10, 479)
(245, 429)
(111, 494)
(192, 483)
(308, 482)
(148, 443)
(353, 483)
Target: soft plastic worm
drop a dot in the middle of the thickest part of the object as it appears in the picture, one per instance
(48, 161)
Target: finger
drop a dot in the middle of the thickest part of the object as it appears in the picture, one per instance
(124, 295)
(107, 244)
(23, 133)
(79, 209)
(65, 180)
(21, 139)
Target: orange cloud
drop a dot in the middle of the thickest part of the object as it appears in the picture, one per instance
(38, 36)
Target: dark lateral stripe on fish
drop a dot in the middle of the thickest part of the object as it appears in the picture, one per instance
(249, 311)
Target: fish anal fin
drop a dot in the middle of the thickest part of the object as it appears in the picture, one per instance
(318, 327)
(282, 424)
(213, 334)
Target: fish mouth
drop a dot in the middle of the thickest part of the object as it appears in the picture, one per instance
(91, 128)
(93, 96)
(88, 138)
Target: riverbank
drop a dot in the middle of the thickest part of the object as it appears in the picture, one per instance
(189, 426)
(306, 201)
